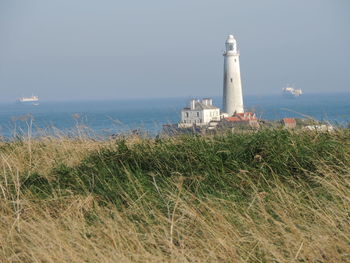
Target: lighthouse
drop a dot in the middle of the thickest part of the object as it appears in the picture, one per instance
(232, 95)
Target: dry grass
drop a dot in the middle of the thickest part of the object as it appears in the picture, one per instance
(165, 219)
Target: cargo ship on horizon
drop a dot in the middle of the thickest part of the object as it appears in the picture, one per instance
(291, 92)
(34, 100)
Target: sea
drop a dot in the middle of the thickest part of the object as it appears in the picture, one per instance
(103, 119)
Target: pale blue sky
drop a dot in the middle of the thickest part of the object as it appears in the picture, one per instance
(108, 49)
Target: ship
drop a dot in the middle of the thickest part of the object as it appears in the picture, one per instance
(291, 92)
(34, 100)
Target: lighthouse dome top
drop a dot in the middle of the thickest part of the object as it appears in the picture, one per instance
(230, 39)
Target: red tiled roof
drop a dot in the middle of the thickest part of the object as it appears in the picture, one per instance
(247, 116)
(233, 119)
(289, 120)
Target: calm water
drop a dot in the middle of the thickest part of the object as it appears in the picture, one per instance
(110, 117)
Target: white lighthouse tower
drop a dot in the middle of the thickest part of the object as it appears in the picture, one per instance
(232, 96)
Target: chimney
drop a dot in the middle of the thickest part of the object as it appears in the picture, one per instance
(207, 101)
(192, 104)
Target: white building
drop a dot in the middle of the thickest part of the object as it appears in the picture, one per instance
(199, 113)
(232, 95)
(319, 128)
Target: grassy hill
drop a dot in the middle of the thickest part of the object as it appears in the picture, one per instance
(269, 196)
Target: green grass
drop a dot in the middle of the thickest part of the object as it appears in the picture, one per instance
(208, 165)
(267, 196)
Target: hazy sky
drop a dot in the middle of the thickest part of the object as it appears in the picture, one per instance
(109, 49)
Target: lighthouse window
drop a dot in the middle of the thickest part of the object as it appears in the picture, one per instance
(186, 114)
(230, 47)
(231, 80)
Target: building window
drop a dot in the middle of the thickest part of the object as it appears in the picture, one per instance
(186, 114)
(231, 80)
(235, 60)
(197, 114)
